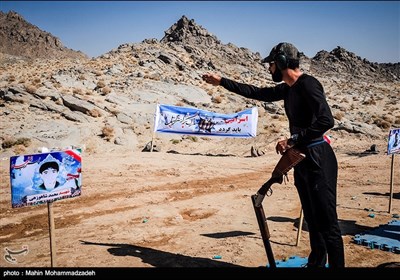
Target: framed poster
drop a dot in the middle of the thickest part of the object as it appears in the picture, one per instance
(394, 141)
(45, 177)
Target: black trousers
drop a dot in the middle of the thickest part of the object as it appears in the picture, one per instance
(316, 180)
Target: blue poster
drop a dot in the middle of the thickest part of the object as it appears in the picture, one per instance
(46, 177)
(394, 141)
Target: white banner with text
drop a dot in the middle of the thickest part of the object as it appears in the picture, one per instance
(183, 120)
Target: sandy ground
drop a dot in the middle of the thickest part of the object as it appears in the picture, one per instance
(161, 209)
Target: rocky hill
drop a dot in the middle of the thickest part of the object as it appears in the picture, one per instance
(20, 38)
(108, 102)
(342, 62)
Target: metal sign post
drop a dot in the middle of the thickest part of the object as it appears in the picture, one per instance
(391, 184)
(393, 148)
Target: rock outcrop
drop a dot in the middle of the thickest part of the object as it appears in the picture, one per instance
(20, 38)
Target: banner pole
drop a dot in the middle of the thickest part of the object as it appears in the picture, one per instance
(51, 231)
(152, 139)
(391, 184)
(154, 128)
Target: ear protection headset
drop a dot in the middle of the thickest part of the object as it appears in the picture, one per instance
(280, 58)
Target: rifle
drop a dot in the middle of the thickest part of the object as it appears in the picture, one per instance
(289, 159)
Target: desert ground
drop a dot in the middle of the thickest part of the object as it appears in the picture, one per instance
(181, 208)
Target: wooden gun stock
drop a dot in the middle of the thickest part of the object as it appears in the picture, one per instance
(289, 159)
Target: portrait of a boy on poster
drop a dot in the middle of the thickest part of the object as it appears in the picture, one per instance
(394, 141)
(46, 177)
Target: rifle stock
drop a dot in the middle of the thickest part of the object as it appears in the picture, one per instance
(289, 159)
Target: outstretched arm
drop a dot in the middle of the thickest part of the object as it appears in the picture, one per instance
(268, 94)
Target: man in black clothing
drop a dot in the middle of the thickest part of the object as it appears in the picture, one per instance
(309, 118)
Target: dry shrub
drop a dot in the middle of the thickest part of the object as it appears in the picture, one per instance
(94, 113)
(77, 91)
(19, 149)
(108, 132)
(7, 143)
(65, 90)
(106, 90)
(113, 111)
(371, 101)
(98, 73)
(272, 128)
(156, 78)
(10, 142)
(382, 123)
(179, 103)
(30, 88)
(397, 120)
(23, 141)
(390, 119)
(217, 99)
(11, 78)
(101, 84)
(282, 118)
(36, 81)
(339, 115)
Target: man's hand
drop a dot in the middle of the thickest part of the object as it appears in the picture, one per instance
(282, 146)
(213, 79)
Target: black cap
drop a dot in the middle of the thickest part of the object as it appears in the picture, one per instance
(49, 164)
(287, 49)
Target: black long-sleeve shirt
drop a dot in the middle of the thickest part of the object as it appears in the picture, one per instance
(305, 104)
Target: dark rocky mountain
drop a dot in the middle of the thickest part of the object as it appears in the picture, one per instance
(188, 32)
(338, 61)
(20, 38)
(341, 61)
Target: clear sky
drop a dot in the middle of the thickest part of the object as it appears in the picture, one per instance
(370, 29)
